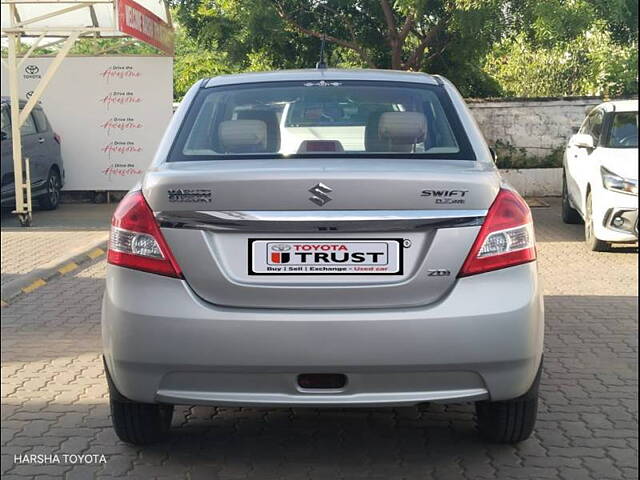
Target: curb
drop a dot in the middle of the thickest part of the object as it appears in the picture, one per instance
(49, 271)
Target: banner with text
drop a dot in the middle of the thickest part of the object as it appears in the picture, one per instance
(137, 21)
(110, 112)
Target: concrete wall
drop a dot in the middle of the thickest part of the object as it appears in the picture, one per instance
(538, 125)
(535, 182)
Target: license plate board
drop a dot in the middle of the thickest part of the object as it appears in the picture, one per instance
(371, 256)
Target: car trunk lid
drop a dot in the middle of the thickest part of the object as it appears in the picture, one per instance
(223, 220)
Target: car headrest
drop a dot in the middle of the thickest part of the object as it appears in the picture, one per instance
(402, 127)
(372, 142)
(271, 120)
(243, 136)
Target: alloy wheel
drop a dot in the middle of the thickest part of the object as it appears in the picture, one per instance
(54, 189)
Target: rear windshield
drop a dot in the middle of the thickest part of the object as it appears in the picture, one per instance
(321, 119)
(624, 130)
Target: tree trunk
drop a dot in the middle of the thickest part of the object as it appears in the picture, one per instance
(396, 54)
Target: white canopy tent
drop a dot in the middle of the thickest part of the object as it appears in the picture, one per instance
(45, 23)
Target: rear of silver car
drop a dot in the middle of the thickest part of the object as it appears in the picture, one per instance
(340, 275)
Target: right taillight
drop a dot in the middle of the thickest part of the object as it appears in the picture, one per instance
(136, 241)
(505, 239)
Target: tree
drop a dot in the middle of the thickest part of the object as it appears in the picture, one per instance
(403, 34)
(191, 63)
(560, 48)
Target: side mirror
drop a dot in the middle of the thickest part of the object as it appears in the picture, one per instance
(582, 140)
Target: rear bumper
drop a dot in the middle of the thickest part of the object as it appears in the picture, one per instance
(164, 344)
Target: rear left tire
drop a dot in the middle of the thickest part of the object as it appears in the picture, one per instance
(137, 423)
(509, 421)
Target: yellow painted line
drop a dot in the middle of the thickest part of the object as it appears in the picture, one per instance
(37, 284)
(69, 267)
(95, 253)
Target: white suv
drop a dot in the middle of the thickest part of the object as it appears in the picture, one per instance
(600, 181)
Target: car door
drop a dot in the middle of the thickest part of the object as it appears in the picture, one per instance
(589, 156)
(574, 157)
(32, 150)
(38, 151)
(47, 145)
(579, 159)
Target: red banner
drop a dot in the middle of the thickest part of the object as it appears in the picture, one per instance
(137, 21)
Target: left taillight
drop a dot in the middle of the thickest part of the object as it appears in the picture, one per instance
(57, 138)
(136, 240)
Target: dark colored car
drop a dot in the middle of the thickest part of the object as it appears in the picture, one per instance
(41, 145)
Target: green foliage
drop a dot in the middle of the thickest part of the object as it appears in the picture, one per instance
(249, 34)
(193, 62)
(567, 47)
(590, 64)
(450, 37)
(93, 46)
(111, 46)
(513, 157)
(486, 47)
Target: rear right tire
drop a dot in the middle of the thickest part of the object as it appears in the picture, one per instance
(509, 421)
(140, 423)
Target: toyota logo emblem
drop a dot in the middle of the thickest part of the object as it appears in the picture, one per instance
(281, 247)
(31, 69)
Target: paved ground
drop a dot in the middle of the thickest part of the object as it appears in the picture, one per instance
(68, 216)
(23, 252)
(53, 235)
(568, 269)
(54, 397)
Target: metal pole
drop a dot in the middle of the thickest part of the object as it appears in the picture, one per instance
(27, 176)
(23, 200)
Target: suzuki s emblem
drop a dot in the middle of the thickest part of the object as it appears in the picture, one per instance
(320, 196)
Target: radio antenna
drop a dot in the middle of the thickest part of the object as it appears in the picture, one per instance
(322, 64)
